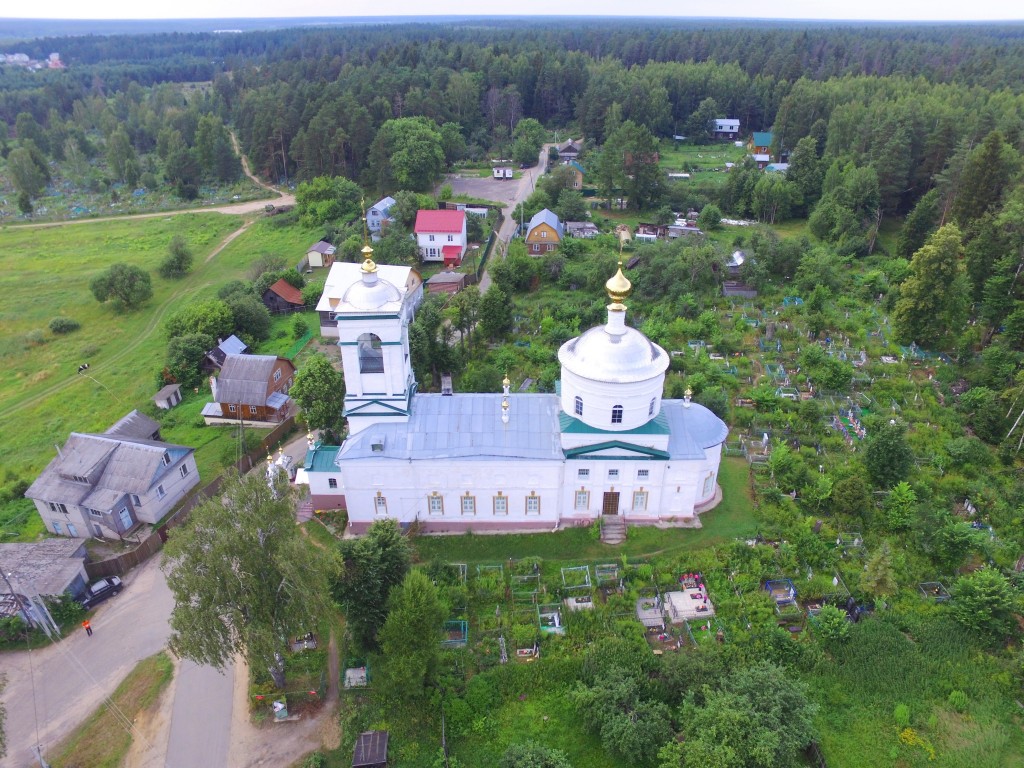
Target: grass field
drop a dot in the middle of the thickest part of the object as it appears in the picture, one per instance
(102, 741)
(46, 272)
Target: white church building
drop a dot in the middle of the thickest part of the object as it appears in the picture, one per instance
(605, 444)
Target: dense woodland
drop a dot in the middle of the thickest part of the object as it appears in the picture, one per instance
(898, 230)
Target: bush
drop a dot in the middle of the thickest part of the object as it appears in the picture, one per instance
(901, 715)
(957, 701)
(60, 325)
(299, 327)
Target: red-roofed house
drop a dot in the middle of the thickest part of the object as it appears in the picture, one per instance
(282, 297)
(441, 236)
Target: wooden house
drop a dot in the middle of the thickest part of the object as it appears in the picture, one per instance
(544, 233)
(283, 297)
(251, 388)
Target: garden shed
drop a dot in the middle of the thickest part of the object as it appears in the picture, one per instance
(371, 750)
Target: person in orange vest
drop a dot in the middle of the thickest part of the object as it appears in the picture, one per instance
(88, 627)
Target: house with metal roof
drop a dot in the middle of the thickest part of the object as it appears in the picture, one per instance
(544, 233)
(47, 567)
(251, 389)
(606, 443)
(379, 215)
(107, 485)
(283, 297)
(371, 750)
(725, 127)
(232, 345)
(441, 236)
(320, 254)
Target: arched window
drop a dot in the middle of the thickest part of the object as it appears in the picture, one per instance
(650, 408)
(371, 356)
(579, 405)
(616, 414)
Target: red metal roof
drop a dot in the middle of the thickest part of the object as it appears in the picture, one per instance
(439, 221)
(287, 291)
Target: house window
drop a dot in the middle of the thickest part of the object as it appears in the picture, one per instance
(533, 504)
(371, 355)
(536, 247)
(640, 501)
(160, 493)
(643, 474)
(709, 483)
(616, 414)
(252, 410)
(95, 513)
(544, 234)
(332, 483)
(578, 406)
(56, 506)
(468, 504)
(136, 500)
(500, 504)
(184, 470)
(231, 408)
(57, 528)
(582, 500)
(582, 474)
(451, 238)
(277, 375)
(380, 504)
(613, 474)
(166, 459)
(435, 504)
(650, 408)
(430, 238)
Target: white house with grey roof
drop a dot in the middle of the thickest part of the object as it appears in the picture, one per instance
(379, 214)
(606, 443)
(107, 485)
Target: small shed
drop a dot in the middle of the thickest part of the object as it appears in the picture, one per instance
(283, 297)
(371, 750)
(320, 254)
(50, 567)
(168, 396)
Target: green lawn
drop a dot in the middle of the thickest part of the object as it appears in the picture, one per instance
(733, 518)
(46, 272)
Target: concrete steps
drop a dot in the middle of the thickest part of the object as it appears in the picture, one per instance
(613, 529)
(304, 512)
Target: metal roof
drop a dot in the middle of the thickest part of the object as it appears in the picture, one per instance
(322, 247)
(134, 424)
(344, 275)
(287, 291)
(371, 750)
(545, 217)
(692, 429)
(467, 427)
(165, 392)
(232, 345)
(440, 221)
(762, 138)
(244, 379)
(383, 205)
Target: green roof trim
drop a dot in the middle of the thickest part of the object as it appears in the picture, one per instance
(391, 410)
(570, 425)
(647, 454)
(321, 459)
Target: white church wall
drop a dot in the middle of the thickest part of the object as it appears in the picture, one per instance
(600, 397)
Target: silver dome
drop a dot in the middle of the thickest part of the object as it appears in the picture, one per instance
(365, 294)
(601, 356)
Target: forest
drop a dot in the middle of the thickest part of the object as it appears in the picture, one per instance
(871, 375)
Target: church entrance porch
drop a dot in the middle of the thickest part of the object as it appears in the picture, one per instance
(610, 504)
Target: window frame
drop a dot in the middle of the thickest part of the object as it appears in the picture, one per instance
(160, 492)
(183, 470)
(578, 406)
(435, 499)
(583, 494)
(380, 504)
(617, 413)
(332, 483)
(534, 500)
(643, 474)
(467, 501)
(641, 496)
(504, 503)
(613, 474)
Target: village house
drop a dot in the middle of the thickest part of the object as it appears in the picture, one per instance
(441, 236)
(251, 389)
(167, 397)
(215, 358)
(725, 127)
(544, 233)
(570, 150)
(447, 282)
(577, 174)
(47, 567)
(378, 215)
(106, 485)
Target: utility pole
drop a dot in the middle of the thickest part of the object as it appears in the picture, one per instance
(17, 598)
(38, 752)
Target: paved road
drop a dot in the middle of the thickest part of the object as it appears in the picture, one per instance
(73, 677)
(201, 718)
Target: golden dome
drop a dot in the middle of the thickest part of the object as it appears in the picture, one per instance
(618, 287)
(505, 382)
(368, 265)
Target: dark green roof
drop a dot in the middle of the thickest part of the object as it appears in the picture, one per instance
(570, 425)
(643, 452)
(762, 138)
(321, 459)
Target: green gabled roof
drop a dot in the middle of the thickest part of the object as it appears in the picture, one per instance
(762, 138)
(321, 459)
(370, 404)
(585, 451)
(570, 425)
(577, 166)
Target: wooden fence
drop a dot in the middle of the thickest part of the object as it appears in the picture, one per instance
(118, 566)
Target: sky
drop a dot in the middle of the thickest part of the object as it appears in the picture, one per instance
(864, 10)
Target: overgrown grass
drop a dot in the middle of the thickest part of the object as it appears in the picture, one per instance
(731, 519)
(102, 741)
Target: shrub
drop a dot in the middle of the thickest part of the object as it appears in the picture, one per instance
(901, 714)
(62, 325)
(299, 327)
(957, 701)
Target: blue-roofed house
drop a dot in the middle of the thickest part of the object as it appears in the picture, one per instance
(605, 445)
(379, 215)
(544, 233)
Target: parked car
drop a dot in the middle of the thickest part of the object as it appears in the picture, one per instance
(100, 590)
